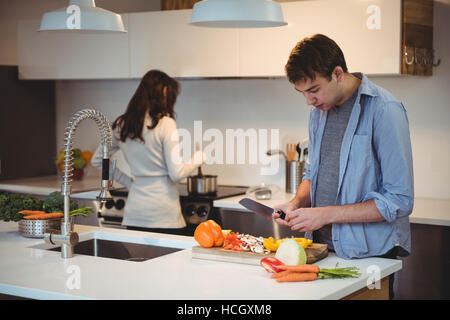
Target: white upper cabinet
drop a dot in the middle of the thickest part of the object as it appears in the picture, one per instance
(164, 40)
(53, 55)
(368, 32)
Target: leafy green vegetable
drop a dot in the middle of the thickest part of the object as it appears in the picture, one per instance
(54, 202)
(82, 211)
(12, 203)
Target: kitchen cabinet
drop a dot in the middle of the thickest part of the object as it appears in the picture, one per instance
(48, 55)
(378, 37)
(429, 246)
(368, 32)
(164, 40)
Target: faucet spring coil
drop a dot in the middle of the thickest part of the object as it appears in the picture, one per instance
(105, 132)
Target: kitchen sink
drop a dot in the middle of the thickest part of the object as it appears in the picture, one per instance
(120, 250)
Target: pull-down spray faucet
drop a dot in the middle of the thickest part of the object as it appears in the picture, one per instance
(67, 238)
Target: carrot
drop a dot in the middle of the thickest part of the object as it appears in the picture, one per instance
(27, 212)
(298, 277)
(300, 268)
(280, 274)
(44, 216)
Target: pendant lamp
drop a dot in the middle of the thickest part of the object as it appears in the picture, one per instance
(237, 14)
(82, 16)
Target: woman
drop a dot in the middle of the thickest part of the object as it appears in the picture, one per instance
(146, 134)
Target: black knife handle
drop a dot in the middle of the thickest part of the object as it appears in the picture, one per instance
(281, 213)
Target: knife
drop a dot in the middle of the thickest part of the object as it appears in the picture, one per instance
(260, 209)
(265, 211)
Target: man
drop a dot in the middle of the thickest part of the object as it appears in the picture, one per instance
(357, 192)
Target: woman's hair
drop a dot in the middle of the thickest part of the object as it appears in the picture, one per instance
(148, 99)
(316, 55)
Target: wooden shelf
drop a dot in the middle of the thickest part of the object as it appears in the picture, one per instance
(417, 32)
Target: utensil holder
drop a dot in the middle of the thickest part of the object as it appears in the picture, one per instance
(294, 173)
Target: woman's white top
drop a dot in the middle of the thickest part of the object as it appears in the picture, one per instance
(156, 165)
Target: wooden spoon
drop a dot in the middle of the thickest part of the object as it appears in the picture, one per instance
(199, 173)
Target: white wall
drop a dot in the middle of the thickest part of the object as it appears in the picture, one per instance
(273, 103)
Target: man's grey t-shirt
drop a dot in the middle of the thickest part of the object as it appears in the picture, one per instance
(330, 149)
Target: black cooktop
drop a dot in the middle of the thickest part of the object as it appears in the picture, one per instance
(222, 192)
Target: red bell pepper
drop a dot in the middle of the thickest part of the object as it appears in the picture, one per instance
(270, 264)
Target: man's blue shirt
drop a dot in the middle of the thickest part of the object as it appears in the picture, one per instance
(375, 163)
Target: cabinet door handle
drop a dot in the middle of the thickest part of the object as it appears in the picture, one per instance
(406, 56)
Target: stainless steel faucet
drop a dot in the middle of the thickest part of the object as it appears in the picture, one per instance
(67, 238)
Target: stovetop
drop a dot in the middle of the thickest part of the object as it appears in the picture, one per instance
(223, 191)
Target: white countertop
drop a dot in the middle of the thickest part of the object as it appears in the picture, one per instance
(426, 211)
(42, 274)
(48, 184)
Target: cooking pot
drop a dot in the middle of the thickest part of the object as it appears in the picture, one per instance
(202, 184)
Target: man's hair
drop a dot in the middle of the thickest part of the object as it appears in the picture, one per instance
(317, 54)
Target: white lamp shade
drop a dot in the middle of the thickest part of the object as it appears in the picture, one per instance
(237, 14)
(90, 19)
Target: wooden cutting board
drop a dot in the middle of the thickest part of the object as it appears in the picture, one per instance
(314, 252)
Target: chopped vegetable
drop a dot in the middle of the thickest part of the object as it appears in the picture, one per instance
(271, 264)
(271, 244)
(290, 252)
(232, 242)
(252, 243)
(226, 232)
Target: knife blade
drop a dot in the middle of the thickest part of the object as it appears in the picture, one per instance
(260, 208)
(265, 211)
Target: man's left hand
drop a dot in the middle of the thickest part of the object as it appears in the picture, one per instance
(308, 219)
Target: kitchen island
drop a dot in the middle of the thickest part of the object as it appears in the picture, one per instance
(28, 270)
(430, 234)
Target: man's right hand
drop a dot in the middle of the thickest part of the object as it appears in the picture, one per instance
(287, 208)
(301, 200)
